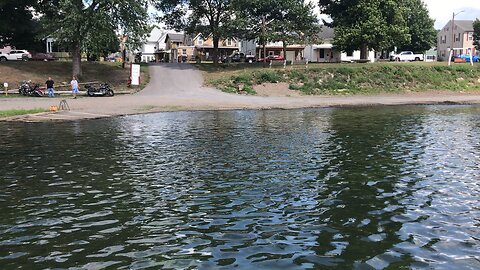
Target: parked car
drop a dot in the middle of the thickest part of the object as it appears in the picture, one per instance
(475, 58)
(42, 57)
(407, 56)
(240, 57)
(16, 55)
(272, 58)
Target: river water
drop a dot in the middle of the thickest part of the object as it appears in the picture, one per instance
(360, 188)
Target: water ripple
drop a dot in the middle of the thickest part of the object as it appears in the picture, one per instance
(363, 188)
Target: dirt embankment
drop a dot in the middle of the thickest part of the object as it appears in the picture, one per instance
(14, 72)
(341, 79)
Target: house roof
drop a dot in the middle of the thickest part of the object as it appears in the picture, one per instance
(175, 37)
(155, 35)
(466, 25)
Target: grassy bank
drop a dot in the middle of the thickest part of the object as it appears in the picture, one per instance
(14, 72)
(347, 78)
(8, 113)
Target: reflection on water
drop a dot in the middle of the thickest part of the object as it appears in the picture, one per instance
(308, 189)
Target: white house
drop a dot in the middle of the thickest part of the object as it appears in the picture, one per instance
(327, 53)
(155, 42)
(294, 52)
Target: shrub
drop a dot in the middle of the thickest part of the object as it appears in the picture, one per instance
(268, 76)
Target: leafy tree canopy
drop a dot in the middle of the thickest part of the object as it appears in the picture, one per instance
(209, 17)
(421, 28)
(476, 33)
(92, 25)
(17, 26)
(367, 24)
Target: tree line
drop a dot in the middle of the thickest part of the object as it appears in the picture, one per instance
(95, 25)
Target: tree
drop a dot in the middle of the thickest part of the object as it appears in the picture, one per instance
(476, 33)
(18, 28)
(296, 23)
(420, 27)
(210, 17)
(95, 24)
(366, 24)
(288, 21)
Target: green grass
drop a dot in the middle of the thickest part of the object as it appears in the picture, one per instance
(8, 113)
(334, 79)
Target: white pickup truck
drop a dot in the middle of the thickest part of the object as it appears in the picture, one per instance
(406, 56)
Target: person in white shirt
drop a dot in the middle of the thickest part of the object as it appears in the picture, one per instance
(74, 84)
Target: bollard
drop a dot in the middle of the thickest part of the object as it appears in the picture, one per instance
(5, 85)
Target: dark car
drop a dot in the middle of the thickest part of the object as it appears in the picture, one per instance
(240, 57)
(42, 57)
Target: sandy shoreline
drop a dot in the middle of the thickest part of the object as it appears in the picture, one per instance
(178, 87)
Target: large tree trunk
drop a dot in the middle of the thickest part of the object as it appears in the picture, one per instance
(284, 50)
(364, 52)
(215, 50)
(77, 60)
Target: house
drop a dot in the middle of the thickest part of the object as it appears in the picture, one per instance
(182, 47)
(460, 35)
(179, 47)
(294, 52)
(204, 47)
(327, 53)
(152, 45)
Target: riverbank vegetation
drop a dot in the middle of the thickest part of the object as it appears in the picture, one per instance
(61, 72)
(8, 113)
(330, 79)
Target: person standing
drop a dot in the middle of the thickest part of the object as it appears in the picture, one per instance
(50, 89)
(74, 84)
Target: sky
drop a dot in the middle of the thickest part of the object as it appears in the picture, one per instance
(442, 10)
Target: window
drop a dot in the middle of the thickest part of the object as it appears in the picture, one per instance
(229, 42)
(470, 36)
(322, 53)
(350, 54)
(200, 41)
(184, 51)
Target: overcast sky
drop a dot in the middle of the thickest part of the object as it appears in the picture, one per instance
(442, 10)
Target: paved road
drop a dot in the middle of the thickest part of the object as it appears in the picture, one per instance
(176, 87)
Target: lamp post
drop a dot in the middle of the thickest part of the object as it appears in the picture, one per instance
(453, 32)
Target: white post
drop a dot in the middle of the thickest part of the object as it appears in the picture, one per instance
(271, 63)
(306, 63)
(285, 63)
(471, 57)
(450, 57)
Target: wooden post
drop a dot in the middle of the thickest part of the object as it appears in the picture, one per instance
(5, 85)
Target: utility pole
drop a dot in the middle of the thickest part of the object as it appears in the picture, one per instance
(264, 37)
(453, 32)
